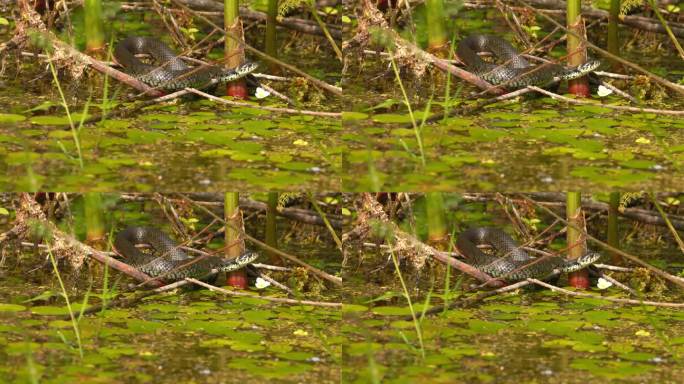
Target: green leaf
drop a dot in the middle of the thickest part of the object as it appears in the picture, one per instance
(11, 307)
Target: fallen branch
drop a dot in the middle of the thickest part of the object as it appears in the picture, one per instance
(613, 299)
(674, 279)
(617, 107)
(408, 247)
(272, 109)
(638, 22)
(471, 300)
(293, 23)
(664, 82)
(267, 298)
(317, 82)
(637, 214)
(60, 243)
(127, 302)
(334, 279)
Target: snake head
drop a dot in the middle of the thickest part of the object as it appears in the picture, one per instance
(247, 257)
(247, 68)
(241, 71)
(589, 66)
(589, 258)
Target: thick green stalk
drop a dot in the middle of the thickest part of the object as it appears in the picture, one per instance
(94, 216)
(437, 37)
(271, 211)
(576, 243)
(613, 41)
(234, 243)
(94, 27)
(231, 213)
(612, 234)
(233, 54)
(231, 19)
(271, 41)
(577, 54)
(434, 206)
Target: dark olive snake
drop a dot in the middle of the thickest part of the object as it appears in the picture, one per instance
(169, 72)
(168, 261)
(514, 71)
(509, 261)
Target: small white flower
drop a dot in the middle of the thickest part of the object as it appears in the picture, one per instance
(261, 93)
(261, 283)
(603, 283)
(603, 91)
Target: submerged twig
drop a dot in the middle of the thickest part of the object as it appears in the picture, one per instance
(617, 107)
(272, 109)
(613, 299)
(267, 298)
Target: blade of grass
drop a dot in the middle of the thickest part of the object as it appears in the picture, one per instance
(74, 133)
(672, 229)
(419, 138)
(325, 220)
(416, 324)
(74, 322)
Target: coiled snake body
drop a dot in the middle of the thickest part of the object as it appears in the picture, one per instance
(510, 262)
(514, 71)
(170, 73)
(168, 261)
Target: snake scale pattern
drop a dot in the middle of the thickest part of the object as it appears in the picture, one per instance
(168, 261)
(510, 262)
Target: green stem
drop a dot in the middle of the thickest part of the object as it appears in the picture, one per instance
(667, 28)
(416, 323)
(612, 235)
(613, 15)
(231, 214)
(667, 221)
(434, 206)
(574, 236)
(271, 40)
(94, 218)
(416, 129)
(74, 131)
(437, 37)
(327, 34)
(326, 221)
(271, 231)
(94, 27)
(74, 323)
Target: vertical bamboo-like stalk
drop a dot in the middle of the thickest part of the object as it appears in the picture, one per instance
(271, 45)
(234, 242)
(575, 240)
(613, 41)
(612, 234)
(271, 234)
(94, 217)
(434, 206)
(576, 51)
(437, 37)
(94, 27)
(233, 52)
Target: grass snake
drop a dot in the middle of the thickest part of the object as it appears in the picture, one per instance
(169, 72)
(167, 259)
(510, 262)
(515, 71)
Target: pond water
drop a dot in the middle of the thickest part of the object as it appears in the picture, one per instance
(530, 143)
(523, 336)
(189, 144)
(185, 335)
